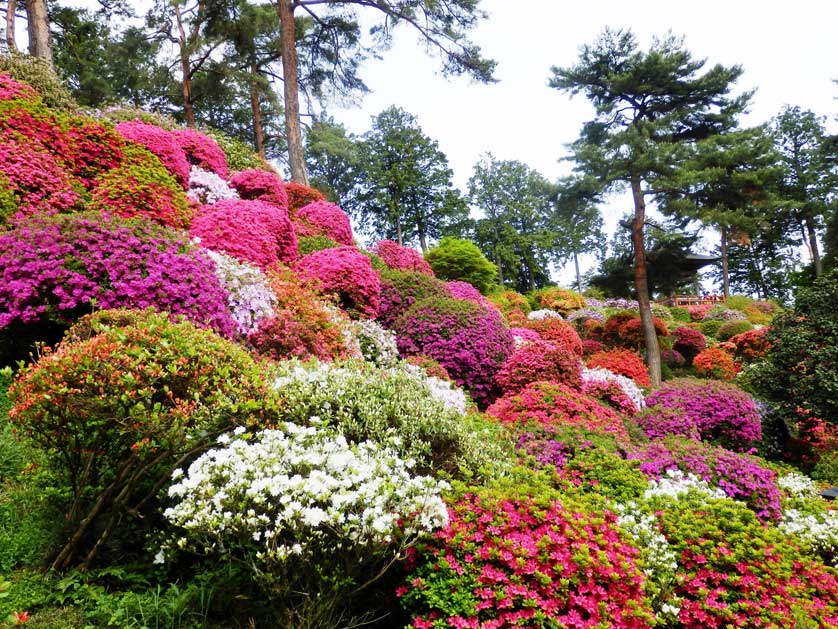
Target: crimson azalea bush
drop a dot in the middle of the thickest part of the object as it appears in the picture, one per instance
(401, 289)
(611, 334)
(260, 185)
(740, 476)
(250, 231)
(202, 151)
(631, 332)
(141, 187)
(623, 362)
(160, 142)
(524, 562)
(688, 342)
(555, 405)
(54, 267)
(751, 346)
(322, 218)
(591, 347)
(539, 360)
(470, 341)
(721, 412)
(348, 274)
(714, 362)
(122, 402)
(559, 332)
(395, 256)
(299, 196)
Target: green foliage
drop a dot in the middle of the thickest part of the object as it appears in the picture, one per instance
(316, 243)
(128, 114)
(826, 469)
(455, 259)
(680, 314)
(37, 73)
(730, 329)
(711, 327)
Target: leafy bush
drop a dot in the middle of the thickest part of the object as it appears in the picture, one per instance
(249, 295)
(463, 290)
(470, 341)
(322, 218)
(615, 390)
(377, 344)
(316, 243)
(751, 346)
(732, 328)
(401, 289)
(721, 412)
(122, 407)
(239, 155)
(39, 74)
(722, 313)
(561, 300)
(714, 362)
(680, 314)
(261, 185)
(539, 360)
(711, 327)
(455, 259)
(348, 274)
(623, 362)
(299, 196)
(206, 188)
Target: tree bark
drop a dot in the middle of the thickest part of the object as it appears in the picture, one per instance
(296, 155)
(725, 277)
(37, 24)
(186, 71)
(578, 275)
(813, 247)
(653, 355)
(11, 8)
(256, 109)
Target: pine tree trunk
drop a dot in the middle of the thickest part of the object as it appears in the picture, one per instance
(578, 275)
(725, 277)
(813, 247)
(296, 156)
(40, 43)
(256, 109)
(11, 8)
(399, 231)
(653, 355)
(186, 71)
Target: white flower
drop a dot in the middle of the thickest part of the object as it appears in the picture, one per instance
(249, 296)
(676, 483)
(538, 315)
(207, 187)
(628, 386)
(160, 557)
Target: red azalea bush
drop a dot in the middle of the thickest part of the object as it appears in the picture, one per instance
(688, 342)
(524, 562)
(250, 231)
(590, 347)
(631, 332)
(559, 332)
(141, 187)
(401, 289)
(160, 142)
(554, 405)
(714, 362)
(202, 151)
(721, 412)
(539, 360)
(348, 274)
(53, 267)
(470, 341)
(260, 185)
(751, 346)
(395, 256)
(322, 218)
(94, 150)
(14, 90)
(623, 362)
(299, 196)
(611, 334)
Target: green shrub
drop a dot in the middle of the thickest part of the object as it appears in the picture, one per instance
(826, 469)
(711, 327)
(680, 314)
(316, 243)
(730, 329)
(38, 73)
(129, 114)
(455, 259)
(123, 408)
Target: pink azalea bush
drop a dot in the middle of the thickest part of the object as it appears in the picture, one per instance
(322, 218)
(14, 90)
(539, 360)
(470, 341)
(522, 336)
(160, 142)
(202, 151)
(401, 258)
(721, 412)
(260, 185)
(250, 231)
(53, 267)
(524, 562)
(348, 274)
(463, 290)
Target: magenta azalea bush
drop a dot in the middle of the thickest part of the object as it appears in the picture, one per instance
(348, 274)
(322, 218)
(202, 151)
(14, 90)
(260, 185)
(401, 289)
(470, 341)
(160, 142)
(721, 412)
(463, 290)
(401, 258)
(539, 360)
(249, 231)
(53, 268)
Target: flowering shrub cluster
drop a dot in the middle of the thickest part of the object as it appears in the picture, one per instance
(206, 188)
(539, 360)
(401, 289)
(542, 314)
(623, 362)
(395, 256)
(514, 562)
(470, 341)
(52, 267)
(260, 185)
(625, 329)
(322, 218)
(249, 295)
(377, 344)
(430, 366)
(697, 313)
(522, 336)
(715, 362)
(160, 142)
(721, 313)
(558, 332)
(751, 346)
(250, 231)
(614, 389)
(553, 405)
(463, 290)
(92, 149)
(348, 274)
(591, 347)
(299, 196)
(202, 151)
(688, 342)
(559, 299)
(583, 314)
(721, 412)
(14, 90)
(441, 388)
(732, 328)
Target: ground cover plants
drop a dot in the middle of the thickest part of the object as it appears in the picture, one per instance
(218, 411)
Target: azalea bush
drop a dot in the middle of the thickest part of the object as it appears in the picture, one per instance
(401, 289)
(539, 360)
(347, 274)
(714, 362)
(376, 343)
(345, 512)
(751, 346)
(401, 258)
(160, 142)
(623, 362)
(202, 151)
(322, 218)
(463, 290)
(299, 196)
(615, 390)
(561, 300)
(206, 188)
(470, 341)
(557, 331)
(732, 328)
(721, 412)
(688, 342)
(249, 295)
(261, 185)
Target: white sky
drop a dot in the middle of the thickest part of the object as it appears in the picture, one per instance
(789, 52)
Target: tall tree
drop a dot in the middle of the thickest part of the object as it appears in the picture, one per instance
(578, 221)
(37, 27)
(332, 158)
(442, 25)
(649, 105)
(808, 177)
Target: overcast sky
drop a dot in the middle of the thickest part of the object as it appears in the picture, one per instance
(789, 52)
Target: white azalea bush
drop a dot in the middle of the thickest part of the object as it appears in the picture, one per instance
(249, 296)
(365, 402)
(627, 385)
(806, 518)
(377, 344)
(206, 187)
(452, 397)
(309, 512)
(544, 313)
